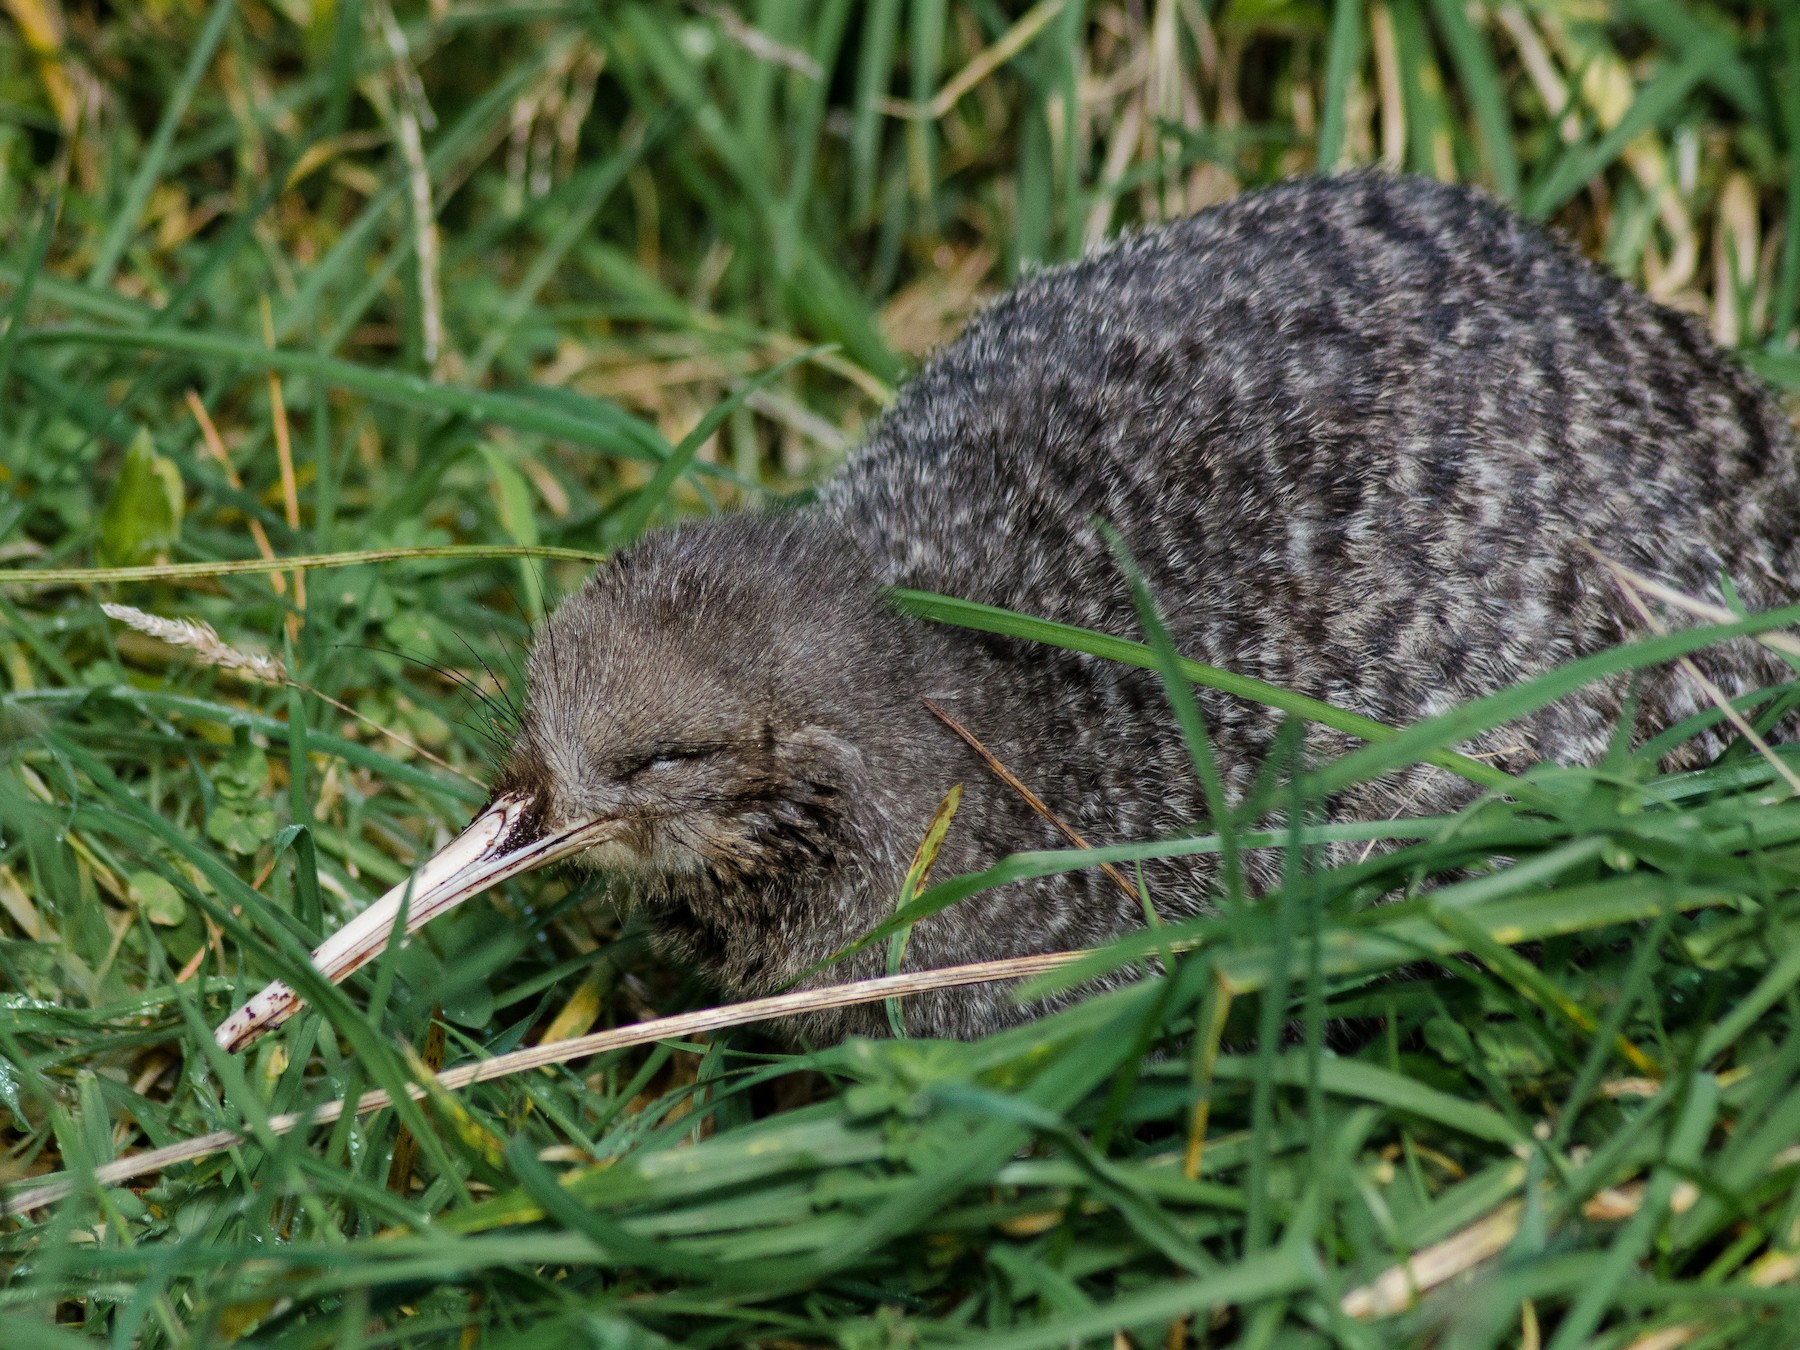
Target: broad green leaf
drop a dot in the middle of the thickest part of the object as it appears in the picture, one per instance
(142, 515)
(157, 897)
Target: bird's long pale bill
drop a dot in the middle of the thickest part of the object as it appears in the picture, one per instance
(499, 843)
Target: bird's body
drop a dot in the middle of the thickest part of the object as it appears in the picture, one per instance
(1358, 434)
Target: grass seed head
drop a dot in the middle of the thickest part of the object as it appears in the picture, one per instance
(207, 646)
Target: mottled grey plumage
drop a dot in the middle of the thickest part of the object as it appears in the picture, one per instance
(1354, 430)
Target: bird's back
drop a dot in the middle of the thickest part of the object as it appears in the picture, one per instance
(1356, 432)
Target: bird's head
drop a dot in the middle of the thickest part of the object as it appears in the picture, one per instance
(719, 694)
(704, 718)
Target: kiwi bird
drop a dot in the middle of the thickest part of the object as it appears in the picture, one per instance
(1363, 436)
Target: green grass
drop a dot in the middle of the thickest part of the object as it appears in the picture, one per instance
(674, 263)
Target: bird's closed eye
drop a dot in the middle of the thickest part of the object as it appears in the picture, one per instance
(665, 757)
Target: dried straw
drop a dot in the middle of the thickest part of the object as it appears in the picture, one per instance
(561, 1052)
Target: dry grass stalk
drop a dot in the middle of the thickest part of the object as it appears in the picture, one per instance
(1541, 70)
(561, 1052)
(411, 116)
(1700, 609)
(103, 874)
(983, 64)
(1617, 1203)
(1714, 694)
(66, 85)
(1399, 1287)
(1606, 87)
(18, 905)
(1530, 1337)
(215, 445)
(1767, 1271)
(1387, 79)
(1195, 1150)
(1736, 248)
(43, 577)
(1719, 699)
(1035, 802)
(1119, 151)
(406, 1145)
(758, 43)
(284, 455)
